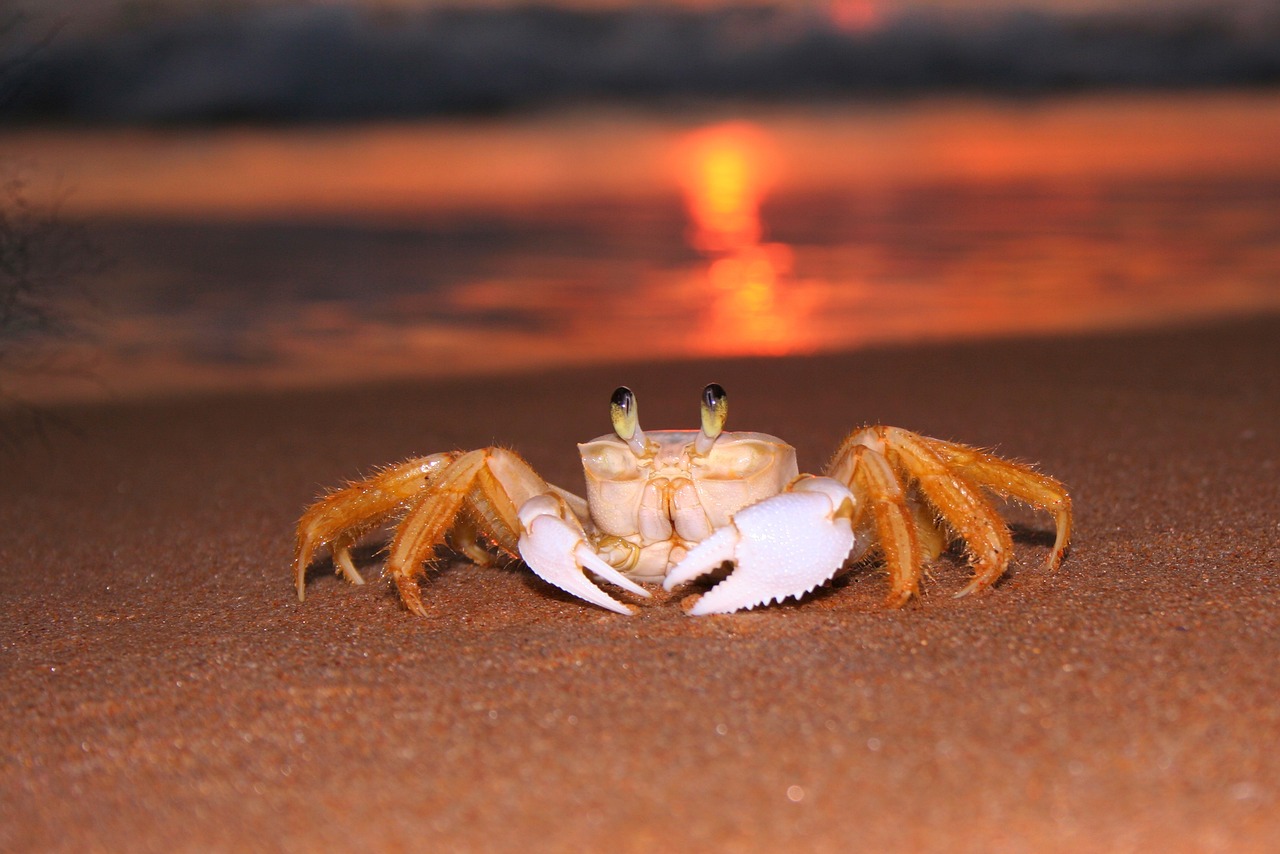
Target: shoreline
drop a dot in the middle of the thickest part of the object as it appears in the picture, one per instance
(85, 388)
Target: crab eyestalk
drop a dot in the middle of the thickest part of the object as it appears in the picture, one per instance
(625, 414)
(715, 410)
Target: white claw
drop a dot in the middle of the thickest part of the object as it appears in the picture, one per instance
(557, 553)
(782, 546)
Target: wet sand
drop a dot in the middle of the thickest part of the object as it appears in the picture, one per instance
(163, 690)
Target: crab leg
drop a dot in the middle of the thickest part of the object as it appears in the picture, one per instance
(959, 501)
(478, 493)
(950, 477)
(897, 527)
(466, 538)
(342, 517)
(1013, 480)
(426, 525)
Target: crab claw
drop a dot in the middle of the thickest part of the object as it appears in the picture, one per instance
(785, 545)
(557, 551)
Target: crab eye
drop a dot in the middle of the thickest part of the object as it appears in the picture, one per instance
(624, 413)
(715, 409)
(607, 460)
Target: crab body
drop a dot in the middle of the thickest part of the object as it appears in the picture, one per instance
(673, 505)
(652, 509)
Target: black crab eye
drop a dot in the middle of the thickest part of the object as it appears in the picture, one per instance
(624, 413)
(715, 411)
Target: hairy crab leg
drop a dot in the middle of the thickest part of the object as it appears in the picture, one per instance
(959, 502)
(492, 507)
(467, 539)
(491, 513)
(481, 492)
(340, 548)
(929, 530)
(342, 517)
(874, 482)
(1017, 481)
(426, 525)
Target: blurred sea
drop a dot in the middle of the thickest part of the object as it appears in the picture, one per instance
(274, 257)
(1009, 174)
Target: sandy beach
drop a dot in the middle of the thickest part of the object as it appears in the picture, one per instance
(163, 689)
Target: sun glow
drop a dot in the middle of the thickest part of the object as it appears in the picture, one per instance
(856, 16)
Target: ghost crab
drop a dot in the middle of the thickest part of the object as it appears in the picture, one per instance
(673, 505)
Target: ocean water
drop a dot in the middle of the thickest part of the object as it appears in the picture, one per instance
(283, 256)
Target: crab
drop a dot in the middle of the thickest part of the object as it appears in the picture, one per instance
(672, 506)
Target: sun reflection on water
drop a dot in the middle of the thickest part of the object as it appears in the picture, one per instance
(754, 306)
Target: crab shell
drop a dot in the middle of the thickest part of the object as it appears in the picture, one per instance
(656, 505)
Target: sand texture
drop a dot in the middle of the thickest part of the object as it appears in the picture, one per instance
(163, 690)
